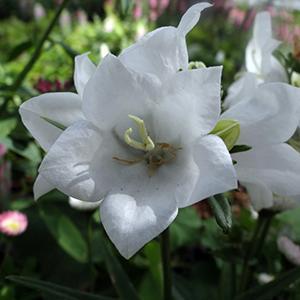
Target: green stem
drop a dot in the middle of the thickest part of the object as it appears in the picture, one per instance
(39, 47)
(256, 244)
(166, 264)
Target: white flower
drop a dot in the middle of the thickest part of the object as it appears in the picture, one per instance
(259, 52)
(268, 118)
(261, 65)
(143, 145)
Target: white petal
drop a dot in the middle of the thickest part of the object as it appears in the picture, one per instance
(196, 94)
(113, 92)
(41, 187)
(217, 173)
(259, 52)
(271, 116)
(131, 223)
(84, 69)
(262, 27)
(261, 196)
(67, 164)
(276, 166)
(191, 17)
(83, 205)
(63, 108)
(241, 90)
(163, 51)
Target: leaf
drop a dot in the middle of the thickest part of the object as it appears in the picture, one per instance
(272, 289)
(65, 233)
(55, 289)
(21, 204)
(185, 228)
(228, 131)
(31, 152)
(7, 126)
(118, 277)
(240, 148)
(222, 211)
(19, 49)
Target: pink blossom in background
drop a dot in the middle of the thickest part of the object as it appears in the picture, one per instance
(45, 86)
(2, 150)
(13, 223)
(237, 16)
(157, 8)
(138, 10)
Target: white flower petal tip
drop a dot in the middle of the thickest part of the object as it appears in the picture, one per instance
(191, 17)
(84, 69)
(62, 108)
(41, 187)
(83, 205)
(131, 224)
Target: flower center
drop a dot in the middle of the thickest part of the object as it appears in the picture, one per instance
(146, 143)
(12, 225)
(155, 154)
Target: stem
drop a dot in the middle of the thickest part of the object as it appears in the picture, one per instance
(166, 264)
(38, 48)
(256, 244)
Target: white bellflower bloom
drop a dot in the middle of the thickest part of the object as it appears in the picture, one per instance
(141, 141)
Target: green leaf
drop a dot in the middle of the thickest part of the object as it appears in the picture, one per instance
(228, 131)
(240, 148)
(185, 228)
(7, 126)
(118, 276)
(19, 49)
(31, 152)
(7, 293)
(272, 289)
(222, 211)
(65, 233)
(55, 289)
(21, 204)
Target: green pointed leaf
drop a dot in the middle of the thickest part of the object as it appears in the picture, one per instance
(7, 126)
(228, 131)
(222, 211)
(240, 148)
(118, 276)
(55, 289)
(65, 233)
(272, 289)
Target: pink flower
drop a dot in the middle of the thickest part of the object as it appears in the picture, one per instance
(13, 223)
(2, 150)
(237, 16)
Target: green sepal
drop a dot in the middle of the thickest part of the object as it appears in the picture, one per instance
(222, 211)
(228, 131)
(240, 148)
(54, 123)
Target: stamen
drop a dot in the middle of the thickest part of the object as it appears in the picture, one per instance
(147, 144)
